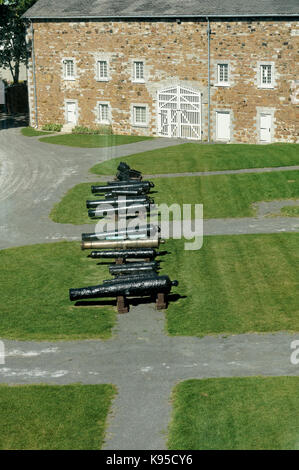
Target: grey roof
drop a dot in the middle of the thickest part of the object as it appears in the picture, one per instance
(161, 8)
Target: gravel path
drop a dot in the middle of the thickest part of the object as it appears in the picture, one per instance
(140, 359)
(145, 364)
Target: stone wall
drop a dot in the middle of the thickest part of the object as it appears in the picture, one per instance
(174, 53)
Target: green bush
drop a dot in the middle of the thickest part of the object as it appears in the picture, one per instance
(102, 129)
(52, 127)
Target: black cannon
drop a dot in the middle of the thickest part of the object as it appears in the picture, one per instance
(125, 172)
(146, 286)
(135, 275)
(119, 200)
(149, 230)
(136, 206)
(129, 268)
(145, 186)
(130, 183)
(126, 192)
(133, 253)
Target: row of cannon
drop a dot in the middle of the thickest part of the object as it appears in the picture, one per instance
(135, 268)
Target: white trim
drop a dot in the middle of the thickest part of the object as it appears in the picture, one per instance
(220, 83)
(74, 76)
(139, 124)
(266, 86)
(223, 111)
(98, 120)
(69, 101)
(134, 79)
(173, 106)
(102, 79)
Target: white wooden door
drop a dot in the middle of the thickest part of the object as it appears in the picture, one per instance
(222, 125)
(179, 113)
(265, 127)
(71, 112)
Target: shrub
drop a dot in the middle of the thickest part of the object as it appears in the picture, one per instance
(52, 127)
(102, 129)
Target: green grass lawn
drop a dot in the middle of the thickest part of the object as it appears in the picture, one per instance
(222, 196)
(197, 157)
(93, 141)
(251, 413)
(235, 284)
(290, 211)
(31, 132)
(34, 292)
(50, 417)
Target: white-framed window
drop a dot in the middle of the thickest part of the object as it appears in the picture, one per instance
(102, 70)
(222, 74)
(138, 71)
(69, 69)
(266, 75)
(139, 115)
(103, 113)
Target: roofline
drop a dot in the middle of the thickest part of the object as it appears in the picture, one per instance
(73, 17)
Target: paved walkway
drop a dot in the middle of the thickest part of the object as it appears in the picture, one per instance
(145, 364)
(140, 359)
(34, 176)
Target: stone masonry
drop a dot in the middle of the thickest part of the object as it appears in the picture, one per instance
(174, 53)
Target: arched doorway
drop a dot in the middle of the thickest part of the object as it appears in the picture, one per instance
(179, 113)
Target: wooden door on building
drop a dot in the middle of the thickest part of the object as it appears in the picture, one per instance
(265, 127)
(179, 113)
(222, 125)
(71, 112)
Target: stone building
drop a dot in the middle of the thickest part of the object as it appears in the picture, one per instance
(206, 70)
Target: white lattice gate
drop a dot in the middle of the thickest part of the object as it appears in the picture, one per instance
(179, 113)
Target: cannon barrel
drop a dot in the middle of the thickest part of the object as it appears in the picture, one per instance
(128, 175)
(142, 266)
(149, 229)
(115, 201)
(129, 287)
(134, 275)
(137, 253)
(130, 185)
(116, 209)
(121, 244)
(126, 192)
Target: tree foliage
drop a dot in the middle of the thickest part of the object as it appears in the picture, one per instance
(13, 48)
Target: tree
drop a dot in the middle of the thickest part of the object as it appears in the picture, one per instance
(13, 48)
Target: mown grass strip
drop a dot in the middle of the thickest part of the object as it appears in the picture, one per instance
(52, 417)
(196, 157)
(34, 291)
(93, 141)
(234, 284)
(248, 413)
(222, 196)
